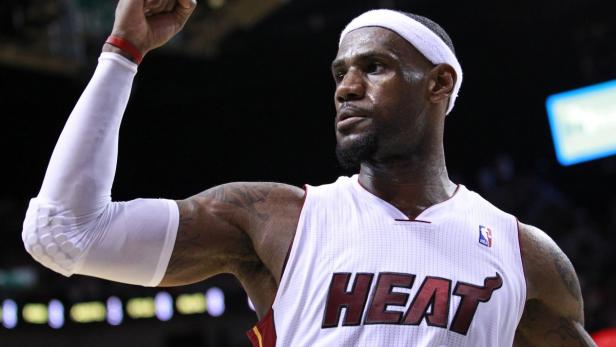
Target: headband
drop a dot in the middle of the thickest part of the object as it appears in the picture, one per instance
(421, 37)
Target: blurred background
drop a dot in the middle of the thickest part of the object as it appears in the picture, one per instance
(245, 93)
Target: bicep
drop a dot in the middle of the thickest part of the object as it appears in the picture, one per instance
(554, 310)
(205, 245)
(211, 235)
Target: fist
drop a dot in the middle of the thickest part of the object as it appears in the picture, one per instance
(149, 24)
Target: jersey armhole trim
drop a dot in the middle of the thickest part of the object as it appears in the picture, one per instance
(286, 258)
(520, 247)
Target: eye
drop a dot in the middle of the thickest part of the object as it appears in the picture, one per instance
(375, 67)
(339, 75)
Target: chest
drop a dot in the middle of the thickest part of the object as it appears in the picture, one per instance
(368, 270)
(358, 274)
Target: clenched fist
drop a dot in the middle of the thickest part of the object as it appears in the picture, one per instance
(149, 24)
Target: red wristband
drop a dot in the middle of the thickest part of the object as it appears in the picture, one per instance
(126, 46)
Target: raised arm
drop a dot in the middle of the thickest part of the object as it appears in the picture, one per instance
(554, 311)
(72, 226)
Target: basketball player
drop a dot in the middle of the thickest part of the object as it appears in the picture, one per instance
(397, 255)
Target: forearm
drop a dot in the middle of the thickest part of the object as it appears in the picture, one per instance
(81, 170)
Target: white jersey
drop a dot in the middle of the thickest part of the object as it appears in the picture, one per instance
(360, 273)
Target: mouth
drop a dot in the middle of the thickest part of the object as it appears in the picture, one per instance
(347, 123)
(349, 116)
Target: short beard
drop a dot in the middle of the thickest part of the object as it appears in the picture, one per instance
(352, 155)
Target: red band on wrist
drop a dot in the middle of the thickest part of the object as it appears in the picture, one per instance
(126, 46)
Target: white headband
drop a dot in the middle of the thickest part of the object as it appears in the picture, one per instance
(417, 34)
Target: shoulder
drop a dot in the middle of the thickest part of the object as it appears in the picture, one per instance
(550, 276)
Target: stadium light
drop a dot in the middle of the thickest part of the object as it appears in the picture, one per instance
(56, 314)
(9, 314)
(191, 303)
(88, 312)
(164, 306)
(115, 314)
(137, 308)
(215, 299)
(35, 313)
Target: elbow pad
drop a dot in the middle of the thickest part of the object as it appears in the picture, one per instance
(129, 242)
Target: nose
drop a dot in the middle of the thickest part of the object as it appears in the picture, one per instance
(351, 87)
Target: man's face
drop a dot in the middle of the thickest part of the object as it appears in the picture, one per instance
(380, 96)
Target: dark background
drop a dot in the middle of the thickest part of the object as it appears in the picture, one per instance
(261, 109)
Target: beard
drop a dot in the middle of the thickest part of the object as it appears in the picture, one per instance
(352, 154)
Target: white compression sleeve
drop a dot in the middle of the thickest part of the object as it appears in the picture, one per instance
(72, 226)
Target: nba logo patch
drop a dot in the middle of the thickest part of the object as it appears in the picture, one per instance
(485, 236)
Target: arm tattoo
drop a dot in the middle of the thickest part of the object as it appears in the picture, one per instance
(244, 196)
(247, 198)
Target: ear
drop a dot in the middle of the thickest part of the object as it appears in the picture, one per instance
(442, 79)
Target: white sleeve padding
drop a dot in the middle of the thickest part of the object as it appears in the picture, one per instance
(72, 226)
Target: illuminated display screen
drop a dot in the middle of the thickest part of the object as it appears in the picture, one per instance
(583, 123)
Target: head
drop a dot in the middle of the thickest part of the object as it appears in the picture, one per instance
(391, 100)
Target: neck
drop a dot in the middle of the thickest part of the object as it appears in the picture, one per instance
(410, 184)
